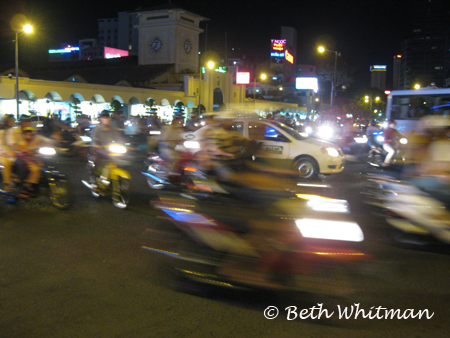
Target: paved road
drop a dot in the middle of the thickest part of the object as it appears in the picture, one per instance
(81, 273)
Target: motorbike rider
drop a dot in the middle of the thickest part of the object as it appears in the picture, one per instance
(104, 134)
(7, 154)
(434, 169)
(391, 135)
(171, 136)
(26, 149)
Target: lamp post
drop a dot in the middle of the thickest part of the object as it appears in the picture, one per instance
(210, 65)
(26, 29)
(262, 77)
(333, 84)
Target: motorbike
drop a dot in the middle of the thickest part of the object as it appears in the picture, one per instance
(277, 243)
(114, 179)
(417, 215)
(52, 183)
(73, 144)
(377, 154)
(159, 175)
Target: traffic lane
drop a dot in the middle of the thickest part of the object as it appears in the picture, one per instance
(80, 272)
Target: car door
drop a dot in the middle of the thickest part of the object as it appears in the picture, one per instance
(274, 144)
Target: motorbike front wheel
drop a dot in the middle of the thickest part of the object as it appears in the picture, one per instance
(158, 171)
(121, 193)
(59, 194)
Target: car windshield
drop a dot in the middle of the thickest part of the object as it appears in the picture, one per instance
(289, 131)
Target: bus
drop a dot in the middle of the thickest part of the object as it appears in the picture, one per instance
(407, 107)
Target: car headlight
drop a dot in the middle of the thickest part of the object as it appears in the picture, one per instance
(333, 152)
(308, 130)
(191, 145)
(117, 149)
(47, 151)
(331, 230)
(85, 138)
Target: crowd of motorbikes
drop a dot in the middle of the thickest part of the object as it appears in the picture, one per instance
(262, 232)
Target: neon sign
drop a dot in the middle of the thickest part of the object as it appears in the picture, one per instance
(289, 57)
(111, 53)
(378, 68)
(68, 49)
(278, 45)
(277, 54)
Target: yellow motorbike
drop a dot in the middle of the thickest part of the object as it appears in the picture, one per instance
(112, 179)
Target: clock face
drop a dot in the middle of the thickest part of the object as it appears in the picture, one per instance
(187, 46)
(156, 45)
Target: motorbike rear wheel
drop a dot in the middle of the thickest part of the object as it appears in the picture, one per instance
(121, 198)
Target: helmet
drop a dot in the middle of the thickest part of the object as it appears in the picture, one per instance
(104, 113)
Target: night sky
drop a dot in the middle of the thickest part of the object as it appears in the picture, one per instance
(369, 32)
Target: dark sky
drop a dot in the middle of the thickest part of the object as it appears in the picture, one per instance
(369, 32)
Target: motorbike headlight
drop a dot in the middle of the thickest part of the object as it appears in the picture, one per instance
(308, 130)
(331, 230)
(380, 138)
(191, 145)
(47, 151)
(403, 140)
(85, 138)
(333, 152)
(117, 149)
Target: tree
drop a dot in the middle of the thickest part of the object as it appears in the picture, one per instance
(345, 70)
(115, 105)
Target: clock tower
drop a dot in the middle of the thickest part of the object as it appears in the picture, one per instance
(169, 35)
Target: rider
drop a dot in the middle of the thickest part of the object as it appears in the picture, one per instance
(7, 154)
(390, 136)
(103, 135)
(26, 149)
(170, 137)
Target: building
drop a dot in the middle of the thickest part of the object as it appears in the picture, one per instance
(378, 77)
(397, 72)
(426, 53)
(283, 56)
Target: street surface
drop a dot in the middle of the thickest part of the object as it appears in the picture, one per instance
(82, 273)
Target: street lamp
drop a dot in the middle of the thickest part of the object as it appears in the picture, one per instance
(26, 29)
(333, 84)
(262, 77)
(210, 65)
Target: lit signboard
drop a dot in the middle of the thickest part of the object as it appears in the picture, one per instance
(277, 54)
(111, 53)
(289, 57)
(278, 45)
(378, 68)
(307, 83)
(242, 78)
(68, 49)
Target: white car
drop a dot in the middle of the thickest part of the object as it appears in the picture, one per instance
(283, 147)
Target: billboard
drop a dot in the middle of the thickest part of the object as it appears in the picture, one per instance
(65, 50)
(278, 45)
(111, 53)
(289, 57)
(378, 68)
(242, 78)
(307, 83)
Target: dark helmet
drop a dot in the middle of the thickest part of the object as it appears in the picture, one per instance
(104, 113)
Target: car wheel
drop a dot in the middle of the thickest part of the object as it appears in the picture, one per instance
(306, 167)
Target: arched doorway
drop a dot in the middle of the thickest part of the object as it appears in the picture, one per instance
(218, 99)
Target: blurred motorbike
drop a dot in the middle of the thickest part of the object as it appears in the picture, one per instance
(114, 179)
(279, 243)
(52, 183)
(159, 173)
(415, 213)
(73, 144)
